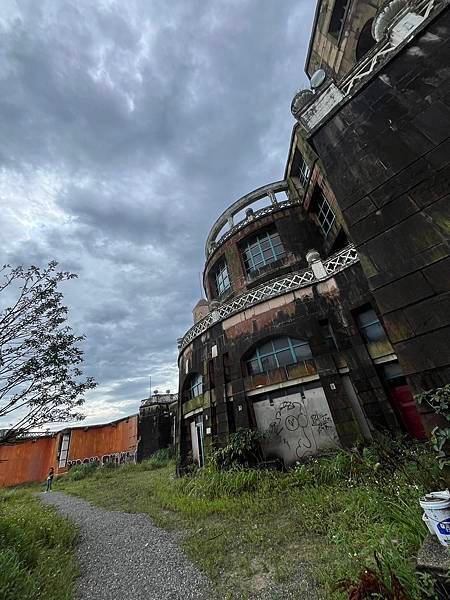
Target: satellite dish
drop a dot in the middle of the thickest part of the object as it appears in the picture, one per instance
(300, 100)
(318, 79)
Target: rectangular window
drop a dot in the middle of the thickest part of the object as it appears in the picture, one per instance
(280, 352)
(337, 18)
(324, 213)
(261, 250)
(222, 279)
(370, 327)
(303, 172)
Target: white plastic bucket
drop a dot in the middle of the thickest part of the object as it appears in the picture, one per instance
(437, 514)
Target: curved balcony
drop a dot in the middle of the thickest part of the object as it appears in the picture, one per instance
(318, 271)
(242, 212)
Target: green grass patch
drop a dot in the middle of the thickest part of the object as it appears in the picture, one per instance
(36, 549)
(248, 529)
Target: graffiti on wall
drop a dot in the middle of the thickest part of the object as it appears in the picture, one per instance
(295, 427)
(117, 458)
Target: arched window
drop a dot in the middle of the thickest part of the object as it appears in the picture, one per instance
(366, 40)
(278, 352)
(193, 386)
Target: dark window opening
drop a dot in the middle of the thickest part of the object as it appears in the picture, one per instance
(211, 377)
(193, 386)
(338, 17)
(262, 249)
(276, 353)
(328, 334)
(340, 242)
(370, 326)
(226, 367)
(366, 41)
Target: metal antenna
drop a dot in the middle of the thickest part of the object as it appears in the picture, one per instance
(150, 386)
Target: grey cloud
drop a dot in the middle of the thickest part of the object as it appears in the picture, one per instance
(133, 126)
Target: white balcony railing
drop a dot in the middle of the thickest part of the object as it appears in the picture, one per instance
(277, 287)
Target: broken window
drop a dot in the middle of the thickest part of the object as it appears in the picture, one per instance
(221, 278)
(278, 352)
(338, 18)
(262, 249)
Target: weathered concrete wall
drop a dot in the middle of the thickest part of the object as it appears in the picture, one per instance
(228, 401)
(155, 430)
(387, 156)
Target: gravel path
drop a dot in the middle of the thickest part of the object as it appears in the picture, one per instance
(125, 557)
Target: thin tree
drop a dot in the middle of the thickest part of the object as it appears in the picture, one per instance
(40, 358)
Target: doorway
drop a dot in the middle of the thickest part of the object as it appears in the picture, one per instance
(197, 440)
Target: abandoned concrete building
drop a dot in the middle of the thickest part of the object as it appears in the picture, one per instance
(156, 425)
(327, 292)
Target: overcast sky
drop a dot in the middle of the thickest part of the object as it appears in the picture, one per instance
(126, 128)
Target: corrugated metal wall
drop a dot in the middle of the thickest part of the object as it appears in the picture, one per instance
(30, 460)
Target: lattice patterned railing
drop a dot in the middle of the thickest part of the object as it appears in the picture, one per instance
(341, 260)
(422, 8)
(276, 287)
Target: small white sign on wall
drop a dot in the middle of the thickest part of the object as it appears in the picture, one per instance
(214, 351)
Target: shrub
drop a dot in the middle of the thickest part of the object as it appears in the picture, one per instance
(79, 472)
(439, 401)
(242, 450)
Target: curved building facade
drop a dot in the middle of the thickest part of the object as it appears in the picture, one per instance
(289, 340)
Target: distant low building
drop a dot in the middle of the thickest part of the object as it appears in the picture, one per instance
(29, 457)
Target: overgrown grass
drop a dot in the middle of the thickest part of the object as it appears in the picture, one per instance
(36, 549)
(250, 528)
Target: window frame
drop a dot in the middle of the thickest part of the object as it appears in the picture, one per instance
(221, 276)
(322, 211)
(363, 327)
(258, 357)
(336, 33)
(256, 240)
(194, 383)
(304, 172)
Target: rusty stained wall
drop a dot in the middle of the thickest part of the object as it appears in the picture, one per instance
(27, 461)
(30, 460)
(295, 314)
(103, 440)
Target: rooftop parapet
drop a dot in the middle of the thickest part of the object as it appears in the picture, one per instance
(231, 220)
(395, 25)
